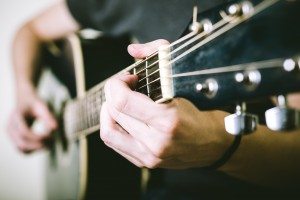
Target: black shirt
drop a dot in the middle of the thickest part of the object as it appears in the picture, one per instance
(144, 19)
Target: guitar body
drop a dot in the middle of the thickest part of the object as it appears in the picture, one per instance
(84, 168)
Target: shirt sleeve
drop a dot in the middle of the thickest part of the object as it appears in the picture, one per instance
(111, 16)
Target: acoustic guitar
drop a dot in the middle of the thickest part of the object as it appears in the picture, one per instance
(230, 57)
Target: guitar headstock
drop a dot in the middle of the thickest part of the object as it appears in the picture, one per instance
(237, 53)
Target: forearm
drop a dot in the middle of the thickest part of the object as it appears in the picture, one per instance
(53, 24)
(25, 55)
(267, 158)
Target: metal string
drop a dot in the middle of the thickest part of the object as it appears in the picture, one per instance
(223, 22)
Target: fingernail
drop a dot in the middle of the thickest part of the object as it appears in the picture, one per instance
(132, 46)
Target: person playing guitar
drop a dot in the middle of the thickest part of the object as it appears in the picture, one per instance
(173, 135)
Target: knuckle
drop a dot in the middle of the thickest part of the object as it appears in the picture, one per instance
(173, 124)
(104, 135)
(22, 135)
(162, 42)
(107, 136)
(139, 165)
(152, 162)
(160, 150)
(22, 148)
(121, 103)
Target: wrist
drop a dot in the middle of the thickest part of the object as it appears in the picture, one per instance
(24, 89)
(24, 84)
(228, 144)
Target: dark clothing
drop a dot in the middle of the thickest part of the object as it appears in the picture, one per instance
(144, 19)
(148, 20)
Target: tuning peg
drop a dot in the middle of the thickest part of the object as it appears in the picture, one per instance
(203, 26)
(241, 123)
(250, 79)
(291, 64)
(282, 118)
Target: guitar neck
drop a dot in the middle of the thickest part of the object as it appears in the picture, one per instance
(82, 115)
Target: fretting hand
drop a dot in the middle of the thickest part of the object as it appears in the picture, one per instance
(173, 135)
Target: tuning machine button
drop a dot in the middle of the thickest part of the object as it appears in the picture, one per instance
(240, 9)
(282, 118)
(209, 88)
(237, 10)
(251, 79)
(204, 25)
(290, 65)
(241, 123)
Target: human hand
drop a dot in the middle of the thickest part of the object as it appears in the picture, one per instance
(29, 107)
(174, 135)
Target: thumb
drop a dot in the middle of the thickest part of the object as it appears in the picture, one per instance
(41, 111)
(143, 50)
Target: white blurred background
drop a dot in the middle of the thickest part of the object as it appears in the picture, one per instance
(21, 176)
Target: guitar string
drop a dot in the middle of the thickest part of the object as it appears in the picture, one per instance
(200, 43)
(191, 34)
(274, 63)
(83, 127)
(187, 43)
(226, 28)
(217, 25)
(192, 40)
(134, 65)
(235, 21)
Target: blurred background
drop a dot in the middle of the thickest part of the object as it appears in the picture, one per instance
(21, 176)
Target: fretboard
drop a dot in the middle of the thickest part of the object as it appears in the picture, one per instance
(82, 115)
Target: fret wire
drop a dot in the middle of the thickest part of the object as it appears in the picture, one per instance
(147, 80)
(92, 111)
(157, 97)
(94, 106)
(149, 75)
(81, 114)
(87, 109)
(84, 114)
(158, 88)
(149, 83)
(144, 60)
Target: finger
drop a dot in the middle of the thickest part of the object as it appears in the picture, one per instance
(129, 158)
(42, 112)
(132, 103)
(25, 145)
(143, 50)
(157, 142)
(22, 142)
(20, 126)
(115, 137)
